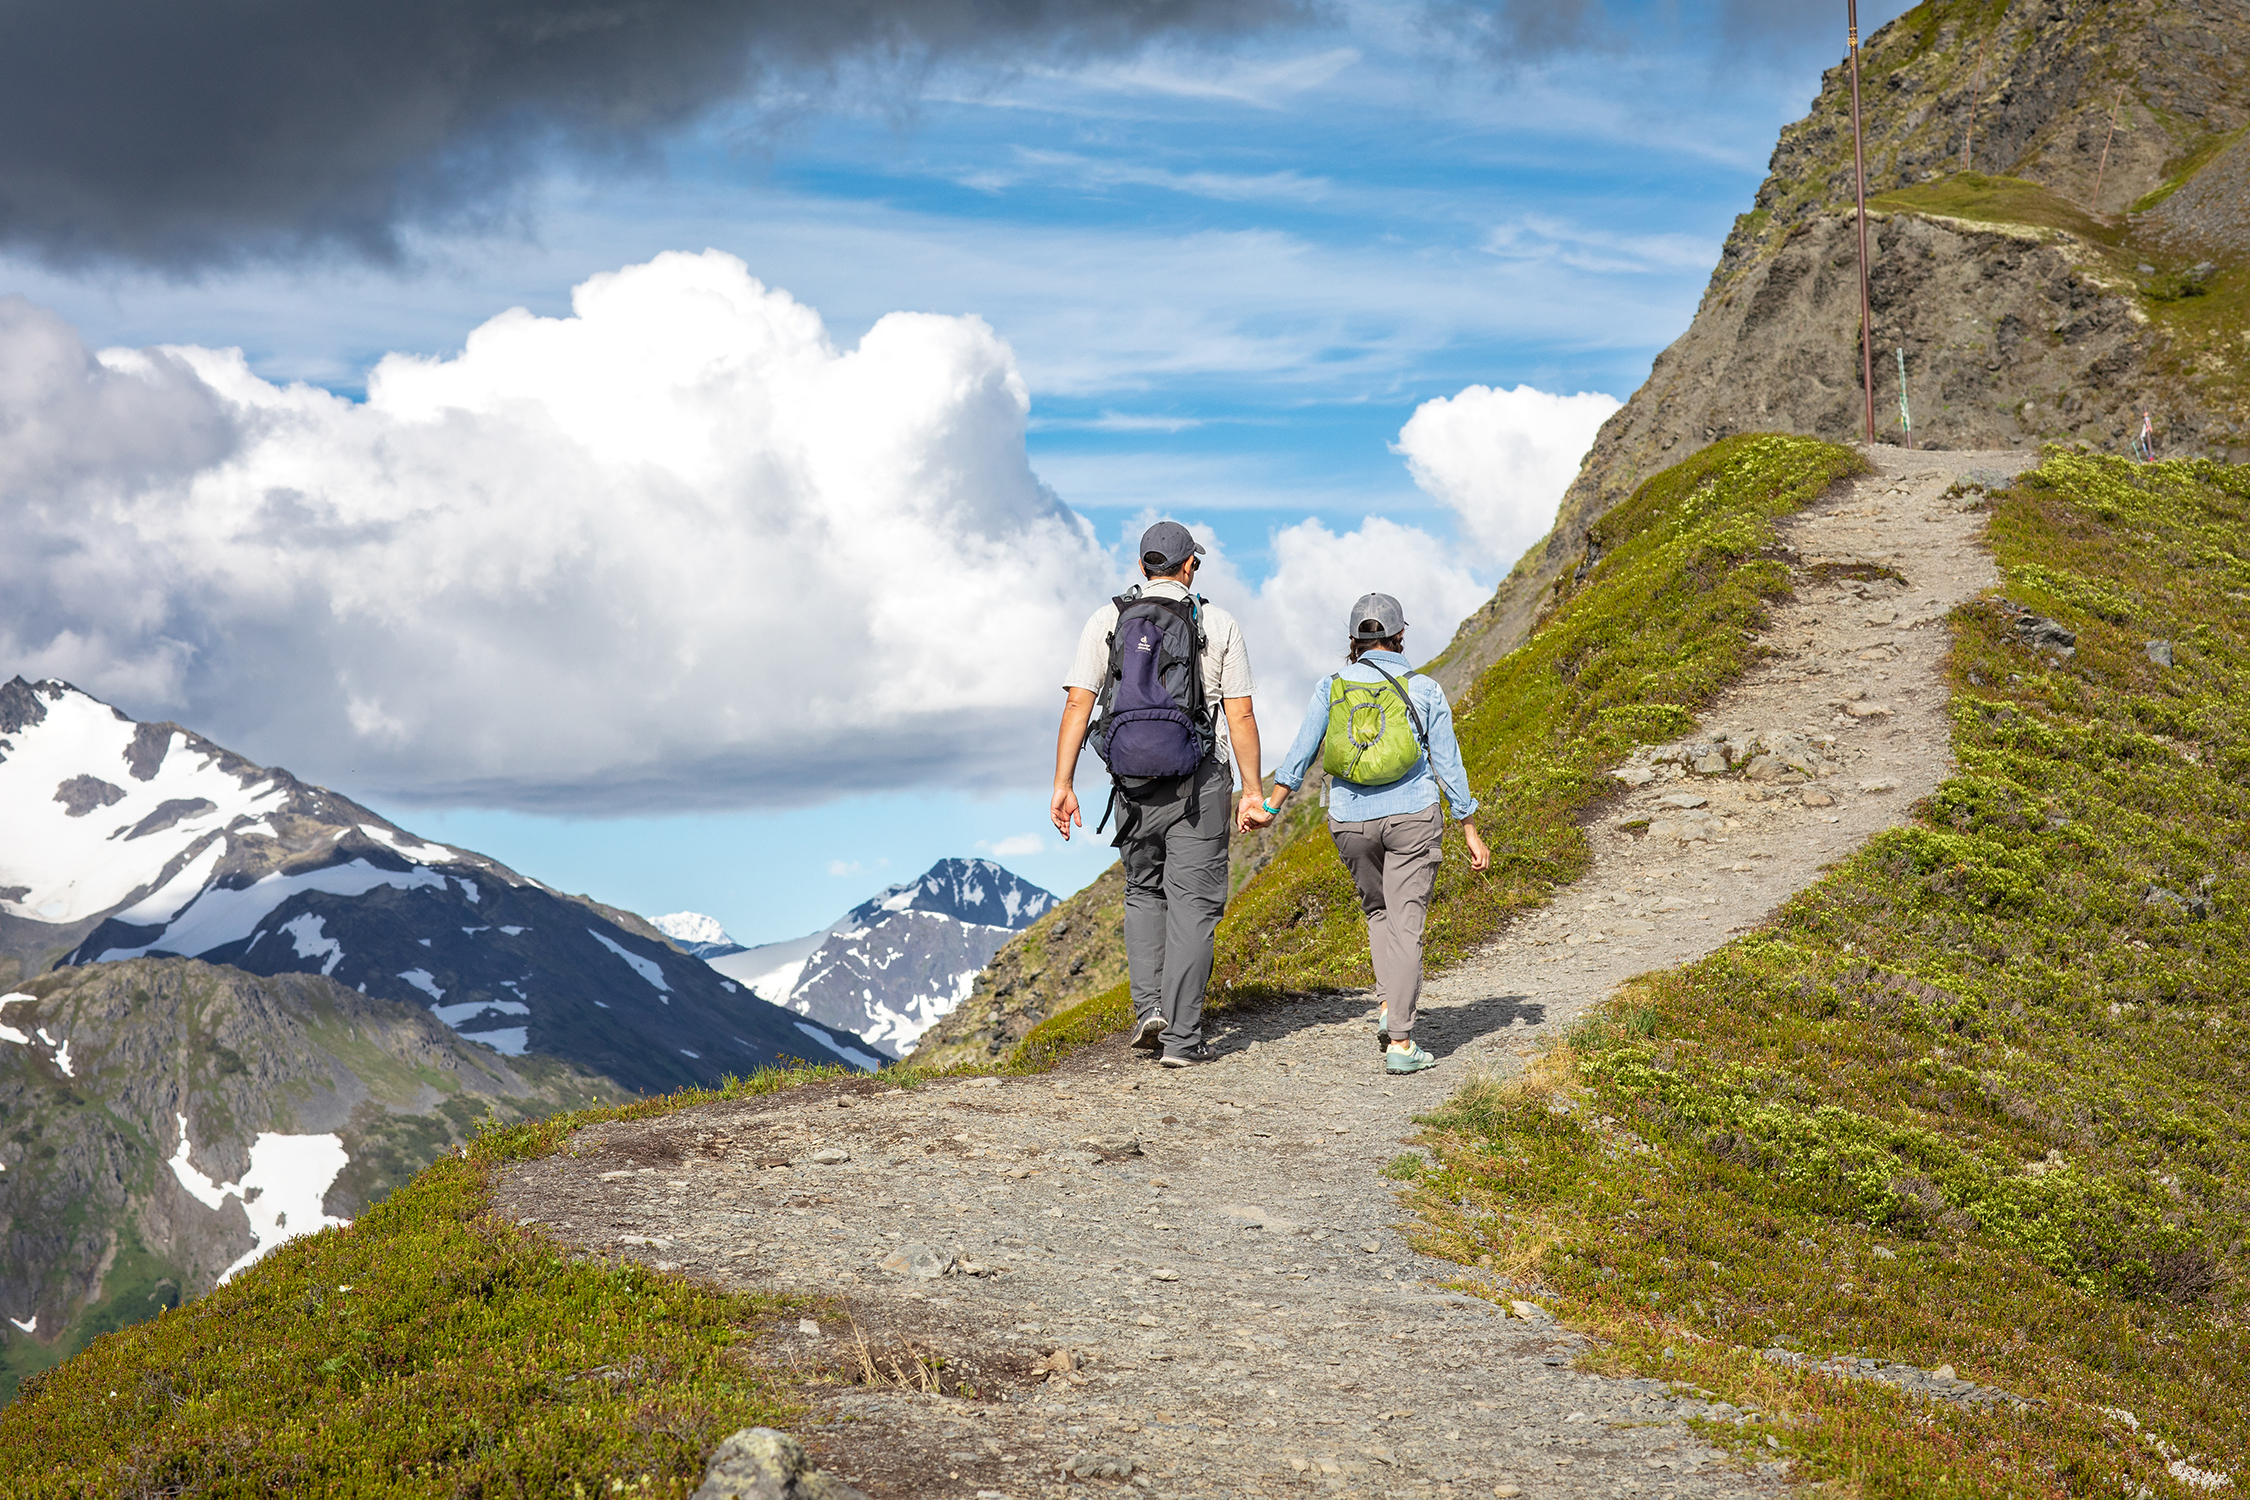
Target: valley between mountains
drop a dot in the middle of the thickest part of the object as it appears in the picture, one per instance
(1209, 1280)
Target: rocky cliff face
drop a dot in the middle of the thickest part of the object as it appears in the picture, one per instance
(2029, 312)
(164, 1122)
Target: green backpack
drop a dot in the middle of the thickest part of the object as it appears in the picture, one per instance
(1370, 742)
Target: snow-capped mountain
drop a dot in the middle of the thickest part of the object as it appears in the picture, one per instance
(899, 961)
(696, 933)
(120, 839)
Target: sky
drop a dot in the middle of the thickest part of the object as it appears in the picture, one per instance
(678, 466)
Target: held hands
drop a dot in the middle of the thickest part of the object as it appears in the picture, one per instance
(1480, 858)
(1063, 808)
(1251, 813)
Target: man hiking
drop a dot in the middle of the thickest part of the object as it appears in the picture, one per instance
(1160, 663)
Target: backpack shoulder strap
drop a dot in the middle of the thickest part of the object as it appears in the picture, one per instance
(1412, 714)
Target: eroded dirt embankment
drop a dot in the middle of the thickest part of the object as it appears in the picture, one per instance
(1214, 1250)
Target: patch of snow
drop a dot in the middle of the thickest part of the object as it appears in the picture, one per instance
(308, 935)
(647, 968)
(163, 904)
(408, 847)
(727, 985)
(469, 889)
(219, 916)
(425, 981)
(50, 1041)
(425, 942)
(513, 1041)
(852, 1055)
(30, 1327)
(281, 1193)
(9, 1033)
(696, 1055)
(604, 1004)
(690, 927)
(473, 931)
(454, 1015)
(62, 1059)
(515, 931)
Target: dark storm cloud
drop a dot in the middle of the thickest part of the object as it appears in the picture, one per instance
(180, 134)
(1512, 31)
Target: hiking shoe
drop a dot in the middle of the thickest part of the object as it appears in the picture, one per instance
(1148, 1032)
(1382, 1031)
(1188, 1057)
(1407, 1059)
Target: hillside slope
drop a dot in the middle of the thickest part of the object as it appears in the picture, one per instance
(169, 1121)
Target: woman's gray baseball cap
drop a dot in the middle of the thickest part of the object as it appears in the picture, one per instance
(1166, 545)
(1376, 617)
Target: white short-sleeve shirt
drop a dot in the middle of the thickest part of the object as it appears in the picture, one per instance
(1226, 659)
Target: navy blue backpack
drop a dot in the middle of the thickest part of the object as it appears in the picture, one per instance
(1151, 721)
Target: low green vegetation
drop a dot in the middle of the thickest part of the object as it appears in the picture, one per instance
(1981, 199)
(430, 1349)
(1977, 1098)
(1658, 626)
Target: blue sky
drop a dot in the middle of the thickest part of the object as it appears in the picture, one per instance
(1228, 278)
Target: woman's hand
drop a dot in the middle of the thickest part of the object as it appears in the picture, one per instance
(1251, 813)
(1480, 858)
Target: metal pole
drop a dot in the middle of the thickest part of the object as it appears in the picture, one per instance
(1905, 416)
(1859, 173)
(1976, 93)
(2104, 167)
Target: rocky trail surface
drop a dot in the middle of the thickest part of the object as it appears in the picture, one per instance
(1195, 1283)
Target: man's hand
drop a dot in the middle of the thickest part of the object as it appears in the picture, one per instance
(1063, 808)
(1252, 813)
(1480, 858)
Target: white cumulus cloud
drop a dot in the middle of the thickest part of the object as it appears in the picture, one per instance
(1502, 459)
(675, 548)
(1014, 845)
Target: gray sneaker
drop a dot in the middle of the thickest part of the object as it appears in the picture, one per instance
(1201, 1052)
(1148, 1033)
(1408, 1059)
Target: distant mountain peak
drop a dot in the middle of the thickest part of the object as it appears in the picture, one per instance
(691, 927)
(970, 890)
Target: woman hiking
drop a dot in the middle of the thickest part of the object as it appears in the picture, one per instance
(1385, 737)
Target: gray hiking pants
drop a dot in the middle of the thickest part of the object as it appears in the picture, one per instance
(1394, 863)
(1175, 889)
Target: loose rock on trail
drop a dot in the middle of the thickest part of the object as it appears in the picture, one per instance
(1194, 1283)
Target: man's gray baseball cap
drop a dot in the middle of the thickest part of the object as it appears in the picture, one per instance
(1166, 545)
(1377, 617)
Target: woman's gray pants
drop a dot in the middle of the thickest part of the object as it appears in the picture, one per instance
(1394, 863)
(1175, 889)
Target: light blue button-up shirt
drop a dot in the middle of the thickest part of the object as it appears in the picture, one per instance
(1348, 802)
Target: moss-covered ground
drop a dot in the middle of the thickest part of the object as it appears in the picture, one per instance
(1659, 625)
(429, 1349)
(1977, 1098)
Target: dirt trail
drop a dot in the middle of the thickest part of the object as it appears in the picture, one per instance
(1243, 1315)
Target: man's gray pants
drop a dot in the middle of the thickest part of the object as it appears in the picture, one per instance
(1175, 889)
(1394, 863)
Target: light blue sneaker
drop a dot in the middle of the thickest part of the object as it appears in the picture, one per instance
(1382, 1029)
(1407, 1059)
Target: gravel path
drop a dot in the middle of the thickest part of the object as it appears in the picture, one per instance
(1206, 1263)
